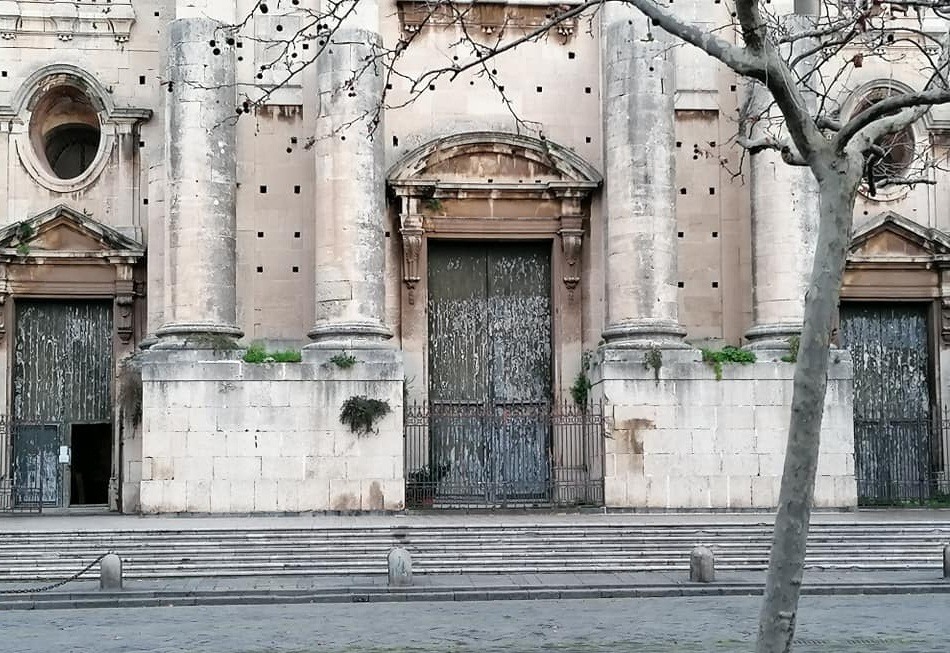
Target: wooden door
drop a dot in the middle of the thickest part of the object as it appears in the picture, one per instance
(490, 350)
(62, 375)
(890, 347)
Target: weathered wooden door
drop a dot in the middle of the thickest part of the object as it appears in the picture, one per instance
(892, 398)
(489, 315)
(62, 375)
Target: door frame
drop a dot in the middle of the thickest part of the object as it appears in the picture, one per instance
(70, 256)
(551, 202)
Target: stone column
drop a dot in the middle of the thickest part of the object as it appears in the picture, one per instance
(784, 223)
(639, 193)
(784, 229)
(639, 197)
(201, 169)
(350, 200)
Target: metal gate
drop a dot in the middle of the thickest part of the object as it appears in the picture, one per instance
(896, 435)
(452, 456)
(62, 375)
(19, 491)
(489, 431)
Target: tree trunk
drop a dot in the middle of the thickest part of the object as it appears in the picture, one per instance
(837, 185)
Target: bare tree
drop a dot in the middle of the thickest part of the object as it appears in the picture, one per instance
(798, 67)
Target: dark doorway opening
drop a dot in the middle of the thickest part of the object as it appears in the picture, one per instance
(91, 464)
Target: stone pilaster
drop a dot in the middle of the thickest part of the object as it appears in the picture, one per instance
(639, 193)
(200, 164)
(350, 197)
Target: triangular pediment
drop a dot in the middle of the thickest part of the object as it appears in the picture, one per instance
(890, 235)
(66, 231)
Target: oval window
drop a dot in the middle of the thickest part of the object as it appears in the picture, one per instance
(65, 132)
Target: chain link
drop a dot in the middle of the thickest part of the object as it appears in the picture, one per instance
(46, 588)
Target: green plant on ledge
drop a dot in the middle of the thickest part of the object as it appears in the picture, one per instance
(343, 360)
(727, 354)
(653, 359)
(361, 413)
(794, 342)
(257, 354)
(580, 391)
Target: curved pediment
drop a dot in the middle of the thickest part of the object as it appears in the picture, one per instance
(483, 159)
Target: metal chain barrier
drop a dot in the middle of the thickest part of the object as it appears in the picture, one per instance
(46, 588)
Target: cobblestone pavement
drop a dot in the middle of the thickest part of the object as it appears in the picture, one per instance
(869, 624)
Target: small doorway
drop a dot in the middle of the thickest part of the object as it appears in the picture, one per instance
(894, 434)
(91, 464)
(490, 384)
(62, 399)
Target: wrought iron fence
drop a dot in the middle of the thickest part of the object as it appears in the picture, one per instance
(902, 461)
(19, 492)
(460, 455)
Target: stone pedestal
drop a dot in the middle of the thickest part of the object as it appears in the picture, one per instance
(639, 193)
(679, 438)
(350, 200)
(400, 568)
(702, 565)
(200, 165)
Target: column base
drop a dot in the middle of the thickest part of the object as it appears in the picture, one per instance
(646, 334)
(353, 334)
(772, 337)
(197, 335)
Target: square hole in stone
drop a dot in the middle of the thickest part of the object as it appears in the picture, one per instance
(715, 284)
(260, 234)
(680, 234)
(680, 284)
(145, 201)
(295, 269)
(296, 234)
(263, 189)
(571, 55)
(715, 234)
(538, 89)
(142, 79)
(296, 190)
(587, 139)
(260, 268)
(587, 89)
(712, 191)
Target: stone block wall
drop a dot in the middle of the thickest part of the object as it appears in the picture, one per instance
(690, 441)
(225, 436)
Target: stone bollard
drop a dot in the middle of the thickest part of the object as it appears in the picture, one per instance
(110, 572)
(946, 561)
(400, 568)
(702, 566)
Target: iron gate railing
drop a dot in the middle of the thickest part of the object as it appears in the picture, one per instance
(460, 455)
(902, 461)
(18, 492)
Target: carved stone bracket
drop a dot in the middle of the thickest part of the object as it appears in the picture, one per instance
(493, 20)
(572, 237)
(124, 301)
(945, 320)
(412, 233)
(3, 312)
(67, 19)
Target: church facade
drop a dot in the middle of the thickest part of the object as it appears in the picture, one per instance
(373, 287)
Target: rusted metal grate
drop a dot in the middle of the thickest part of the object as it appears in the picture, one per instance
(17, 494)
(903, 461)
(465, 455)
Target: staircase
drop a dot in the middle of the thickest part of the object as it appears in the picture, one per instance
(450, 549)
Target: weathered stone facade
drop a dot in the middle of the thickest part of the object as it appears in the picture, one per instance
(209, 228)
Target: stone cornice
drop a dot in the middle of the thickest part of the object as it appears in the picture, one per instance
(64, 20)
